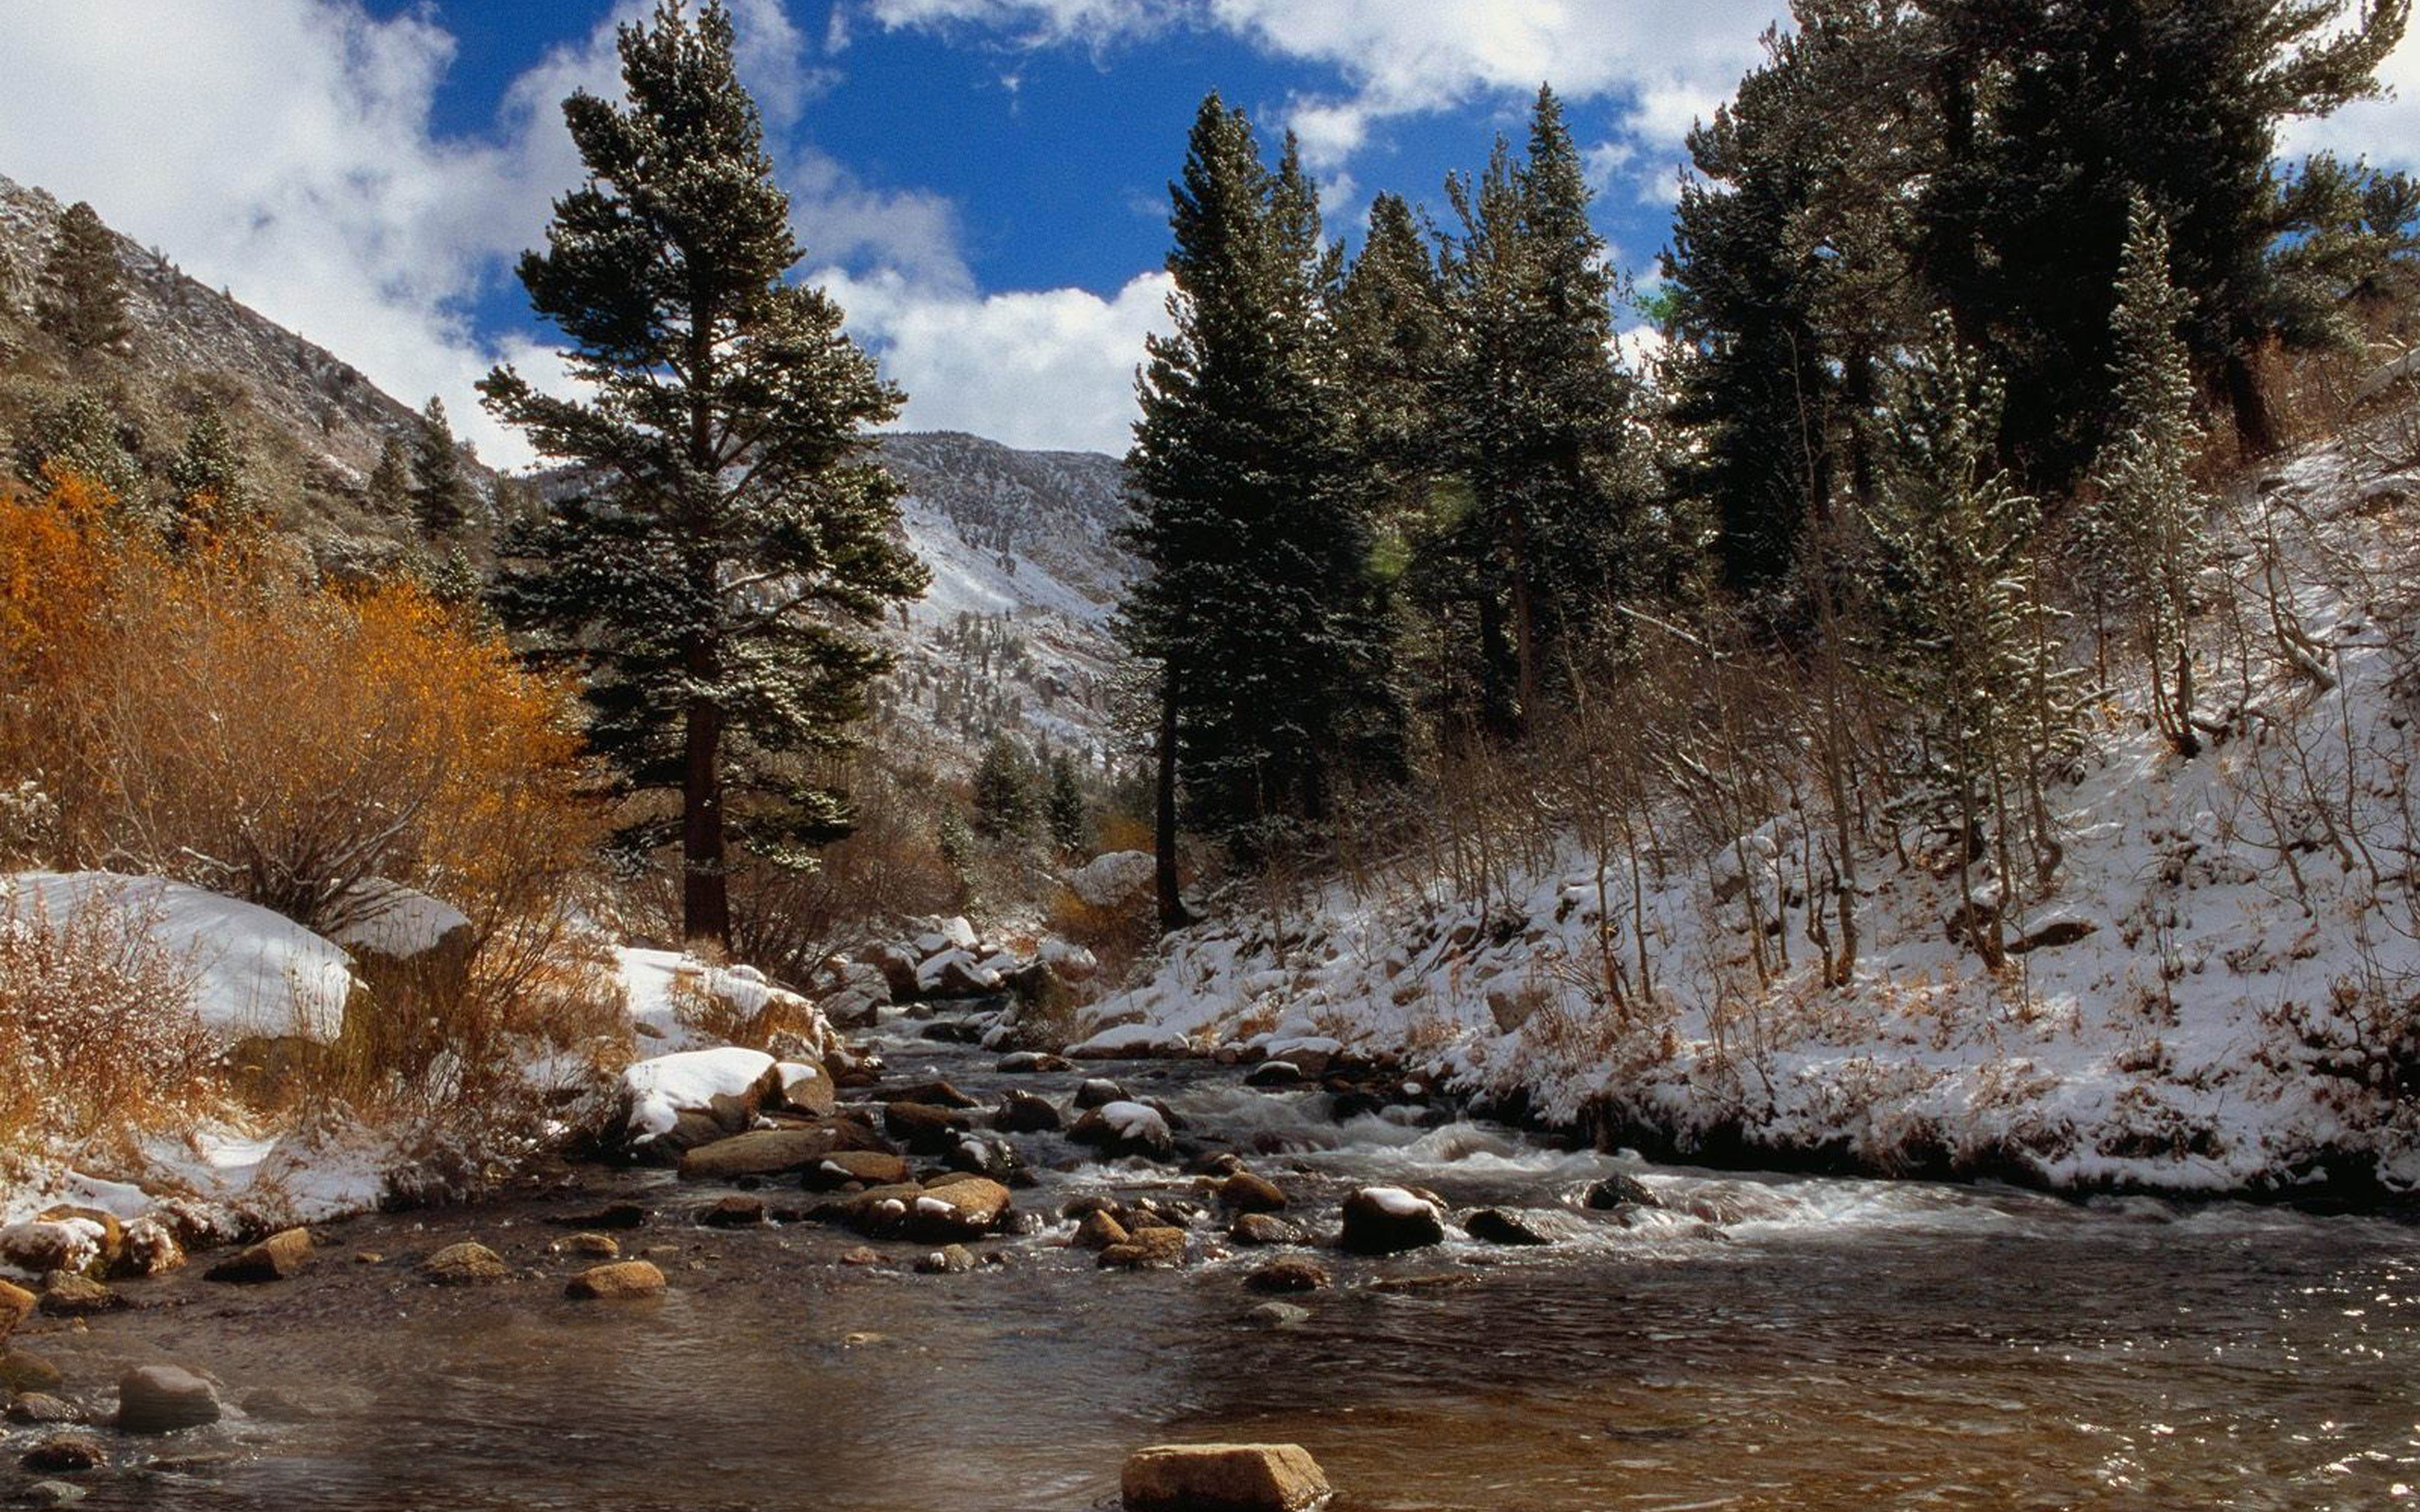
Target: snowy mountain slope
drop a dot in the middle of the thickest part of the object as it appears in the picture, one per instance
(2221, 992)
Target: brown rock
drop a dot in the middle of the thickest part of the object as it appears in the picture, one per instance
(773, 1151)
(63, 1454)
(875, 1168)
(113, 1234)
(151, 1249)
(1022, 1112)
(935, 1094)
(599, 1246)
(1100, 1232)
(1247, 1193)
(811, 1091)
(958, 1207)
(64, 1294)
(619, 1281)
(21, 1371)
(15, 1303)
(1222, 1478)
(1264, 1229)
(1147, 1249)
(1288, 1273)
(1389, 1220)
(275, 1259)
(40, 1409)
(1496, 1225)
(950, 1259)
(925, 1127)
(734, 1213)
(468, 1264)
(162, 1398)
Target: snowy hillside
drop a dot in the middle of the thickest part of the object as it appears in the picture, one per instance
(2214, 998)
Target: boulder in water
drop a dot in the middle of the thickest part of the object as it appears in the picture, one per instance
(15, 1303)
(1247, 1193)
(1288, 1273)
(1125, 1128)
(1495, 1226)
(925, 1128)
(874, 1168)
(1100, 1232)
(960, 1207)
(1023, 1112)
(468, 1264)
(1621, 1192)
(1147, 1249)
(1265, 1229)
(162, 1398)
(1222, 1478)
(63, 1454)
(622, 1281)
(275, 1259)
(1094, 1092)
(1389, 1220)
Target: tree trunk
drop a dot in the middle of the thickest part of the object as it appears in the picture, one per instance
(705, 898)
(1525, 625)
(1164, 878)
(2255, 421)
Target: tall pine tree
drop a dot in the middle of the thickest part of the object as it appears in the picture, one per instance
(736, 538)
(83, 301)
(1255, 606)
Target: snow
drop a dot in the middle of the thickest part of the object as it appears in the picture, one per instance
(1129, 1040)
(2207, 1036)
(657, 985)
(1134, 1121)
(663, 1089)
(401, 923)
(1397, 1203)
(255, 973)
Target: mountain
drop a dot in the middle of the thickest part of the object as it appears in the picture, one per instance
(1026, 565)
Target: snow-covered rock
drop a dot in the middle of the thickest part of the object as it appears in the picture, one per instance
(659, 1091)
(254, 972)
(1114, 879)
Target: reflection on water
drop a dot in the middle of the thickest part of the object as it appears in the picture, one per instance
(1768, 1344)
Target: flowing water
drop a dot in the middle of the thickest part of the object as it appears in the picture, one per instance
(1764, 1342)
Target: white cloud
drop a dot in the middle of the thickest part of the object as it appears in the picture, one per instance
(1664, 64)
(2386, 132)
(1053, 368)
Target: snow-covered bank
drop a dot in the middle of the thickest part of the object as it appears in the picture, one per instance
(2217, 996)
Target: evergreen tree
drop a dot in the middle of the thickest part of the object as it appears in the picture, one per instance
(389, 485)
(1066, 809)
(1257, 603)
(738, 537)
(1534, 412)
(2056, 114)
(83, 434)
(439, 494)
(1006, 800)
(2144, 528)
(1961, 636)
(207, 477)
(83, 301)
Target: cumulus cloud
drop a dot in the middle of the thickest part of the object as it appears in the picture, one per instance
(1664, 64)
(1053, 368)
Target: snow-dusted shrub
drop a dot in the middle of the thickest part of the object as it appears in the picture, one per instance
(97, 1028)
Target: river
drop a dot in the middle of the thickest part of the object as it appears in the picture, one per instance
(1759, 1342)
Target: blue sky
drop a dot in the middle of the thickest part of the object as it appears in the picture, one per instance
(983, 183)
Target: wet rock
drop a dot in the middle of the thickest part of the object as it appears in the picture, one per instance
(275, 1259)
(1022, 1112)
(953, 1032)
(963, 1207)
(1494, 1225)
(937, 1094)
(860, 1255)
(109, 1235)
(1286, 1274)
(1621, 1191)
(1033, 1063)
(950, 1259)
(15, 1304)
(1246, 1193)
(1264, 1229)
(24, 1372)
(1084, 1207)
(1100, 1232)
(273, 1405)
(1121, 1129)
(1278, 1315)
(65, 1294)
(622, 1281)
(1355, 1102)
(1095, 1092)
(1274, 1074)
(774, 1151)
(163, 1398)
(618, 1215)
(63, 1454)
(806, 1088)
(1222, 1478)
(874, 1168)
(926, 1129)
(1147, 1249)
(41, 1409)
(151, 1249)
(897, 965)
(1389, 1220)
(54, 1493)
(468, 1264)
(734, 1213)
(595, 1245)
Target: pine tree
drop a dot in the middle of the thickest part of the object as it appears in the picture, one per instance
(207, 478)
(2144, 528)
(1961, 636)
(1534, 412)
(1006, 800)
(1066, 809)
(389, 485)
(83, 434)
(83, 293)
(1256, 607)
(440, 493)
(717, 581)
